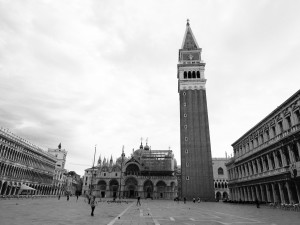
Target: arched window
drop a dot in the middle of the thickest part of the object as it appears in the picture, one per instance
(198, 74)
(189, 74)
(220, 171)
(185, 75)
(194, 74)
(132, 169)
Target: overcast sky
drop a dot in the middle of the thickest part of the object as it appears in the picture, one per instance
(100, 72)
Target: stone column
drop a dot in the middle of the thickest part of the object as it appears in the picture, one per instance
(274, 192)
(258, 166)
(269, 162)
(291, 154)
(298, 147)
(249, 193)
(298, 192)
(263, 164)
(263, 197)
(275, 160)
(249, 167)
(268, 193)
(257, 193)
(281, 193)
(245, 194)
(283, 159)
(253, 193)
(254, 169)
(290, 194)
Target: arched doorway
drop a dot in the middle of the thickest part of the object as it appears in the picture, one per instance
(218, 196)
(131, 186)
(148, 189)
(161, 188)
(3, 191)
(114, 187)
(102, 187)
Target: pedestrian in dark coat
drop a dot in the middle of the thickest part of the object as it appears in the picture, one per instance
(257, 203)
(138, 202)
(93, 204)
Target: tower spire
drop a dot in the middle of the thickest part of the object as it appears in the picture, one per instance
(189, 41)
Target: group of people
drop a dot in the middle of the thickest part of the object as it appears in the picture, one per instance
(198, 200)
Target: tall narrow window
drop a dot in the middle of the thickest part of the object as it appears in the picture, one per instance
(194, 74)
(267, 135)
(297, 113)
(220, 171)
(274, 131)
(189, 74)
(280, 127)
(288, 122)
(185, 75)
(198, 74)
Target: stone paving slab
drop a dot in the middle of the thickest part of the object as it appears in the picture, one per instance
(51, 211)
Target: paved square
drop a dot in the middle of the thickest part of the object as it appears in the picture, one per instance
(51, 211)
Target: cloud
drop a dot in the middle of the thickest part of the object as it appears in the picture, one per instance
(105, 72)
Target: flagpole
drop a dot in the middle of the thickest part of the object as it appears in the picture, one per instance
(93, 172)
(120, 186)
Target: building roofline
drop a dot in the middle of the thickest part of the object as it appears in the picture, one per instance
(278, 108)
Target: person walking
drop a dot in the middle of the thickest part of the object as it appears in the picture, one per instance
(257, 203)
(68, 197)
(58, 197)
(194, 200)
(138, 202)
(199, 200)
(184, 200)
(93, 204)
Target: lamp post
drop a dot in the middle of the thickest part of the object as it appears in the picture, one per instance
(91, 189)
(121, 171)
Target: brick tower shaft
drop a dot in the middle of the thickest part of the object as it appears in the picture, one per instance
(196, 160)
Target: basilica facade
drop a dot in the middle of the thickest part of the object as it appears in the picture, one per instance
(146, 173)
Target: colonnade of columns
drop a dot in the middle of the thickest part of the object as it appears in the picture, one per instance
(281, 157)
(165, 191)
(287, 192)
(11, 188)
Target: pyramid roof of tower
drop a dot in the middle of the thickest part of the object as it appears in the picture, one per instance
(189, 41)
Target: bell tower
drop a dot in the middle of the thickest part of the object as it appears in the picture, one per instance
(196, 161)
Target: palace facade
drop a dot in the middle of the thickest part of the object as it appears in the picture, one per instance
(146, 173)
(266, 162)
(220, 178)
(22, 163)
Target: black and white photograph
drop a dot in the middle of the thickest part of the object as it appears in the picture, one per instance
(149, 112)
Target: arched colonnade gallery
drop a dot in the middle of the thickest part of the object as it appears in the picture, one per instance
(13, 188)
(132, 187)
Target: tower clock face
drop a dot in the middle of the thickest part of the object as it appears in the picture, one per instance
(190, 56)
